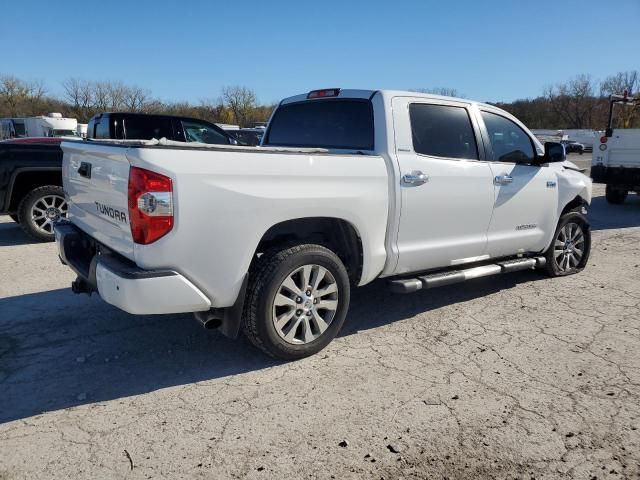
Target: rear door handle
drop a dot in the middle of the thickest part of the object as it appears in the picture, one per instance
(415, 178)
(504, 179)
(85, 170)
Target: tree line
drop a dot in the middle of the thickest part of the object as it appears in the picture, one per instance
(580, 102)
(82, 99)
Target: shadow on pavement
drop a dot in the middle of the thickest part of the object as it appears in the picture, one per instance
(604, 216)
(11, 234)
(374, 305)
(59, 350)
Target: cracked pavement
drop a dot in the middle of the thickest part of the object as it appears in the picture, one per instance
(516, 376)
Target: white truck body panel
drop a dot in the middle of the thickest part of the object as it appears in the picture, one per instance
(219, 190)
(622, 149)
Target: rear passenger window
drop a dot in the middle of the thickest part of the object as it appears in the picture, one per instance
(148, 127)
(442, 131)
(508, 141)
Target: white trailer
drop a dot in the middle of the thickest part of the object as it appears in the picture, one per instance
(52, 125)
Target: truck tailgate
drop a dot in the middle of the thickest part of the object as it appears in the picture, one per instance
(95, 179)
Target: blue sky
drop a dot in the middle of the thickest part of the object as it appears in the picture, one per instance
(489, 50)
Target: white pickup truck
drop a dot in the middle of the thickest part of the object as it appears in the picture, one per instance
(348, 186)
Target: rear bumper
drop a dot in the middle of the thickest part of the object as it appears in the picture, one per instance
(615, 175)
(122, 283)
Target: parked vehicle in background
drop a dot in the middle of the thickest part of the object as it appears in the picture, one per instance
(31, 184)
(140, 126)
(573, 147)
(82, 130)
(7, 130)
(247, 136)
(348, 186)
(52, 125)
(616, 160)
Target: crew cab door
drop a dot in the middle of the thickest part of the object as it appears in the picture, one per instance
(526, 195)
(446, 189)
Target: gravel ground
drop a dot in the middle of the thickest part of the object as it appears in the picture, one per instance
(513, 376)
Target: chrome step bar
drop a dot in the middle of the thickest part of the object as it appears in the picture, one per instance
(432, 280)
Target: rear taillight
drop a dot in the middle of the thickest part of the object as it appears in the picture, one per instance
(604, 139)
(150, 205)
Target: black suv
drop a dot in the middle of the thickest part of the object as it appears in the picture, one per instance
(140, 126)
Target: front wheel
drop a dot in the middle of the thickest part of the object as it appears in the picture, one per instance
(297, 301)
(571, 246)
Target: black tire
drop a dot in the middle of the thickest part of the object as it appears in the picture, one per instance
(552, 266)
(14, 217)
(615, 195)
(265, 282)
(25, 208)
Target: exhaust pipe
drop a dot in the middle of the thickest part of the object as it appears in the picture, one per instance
(210, 319)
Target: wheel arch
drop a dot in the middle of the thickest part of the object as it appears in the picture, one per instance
(574, 204)
(577, 203)
(337, 234)
(26, 179)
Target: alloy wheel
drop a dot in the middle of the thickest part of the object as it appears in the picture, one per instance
(46, 211)
(569, 247)
(305, 304)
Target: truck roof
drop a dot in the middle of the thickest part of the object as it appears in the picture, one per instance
(367, 94)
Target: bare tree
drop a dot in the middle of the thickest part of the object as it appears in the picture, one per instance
(79, 94)
(616, 85)
(13, 92)
(621, 81)
(241, 101)
(444, 91)
(137, 99)
(574, 101)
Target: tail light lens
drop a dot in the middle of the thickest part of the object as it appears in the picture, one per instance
(604, 139)
(150, 205)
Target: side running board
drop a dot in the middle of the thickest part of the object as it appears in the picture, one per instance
(432, 280)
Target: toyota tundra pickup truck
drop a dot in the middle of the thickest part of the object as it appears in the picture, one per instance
(347, 187)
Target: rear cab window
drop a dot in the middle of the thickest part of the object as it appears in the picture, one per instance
(442, 131)
(333, 124)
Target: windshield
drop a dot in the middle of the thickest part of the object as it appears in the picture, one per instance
(343, 124)
(198, 132)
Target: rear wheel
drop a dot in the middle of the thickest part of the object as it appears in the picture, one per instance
(297, 301)
(571, 246)
(40, 209)
(615, 195)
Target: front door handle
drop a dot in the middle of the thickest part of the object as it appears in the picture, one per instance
(415, 178)
(504, 179)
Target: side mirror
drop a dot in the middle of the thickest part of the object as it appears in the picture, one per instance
(553, 152)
